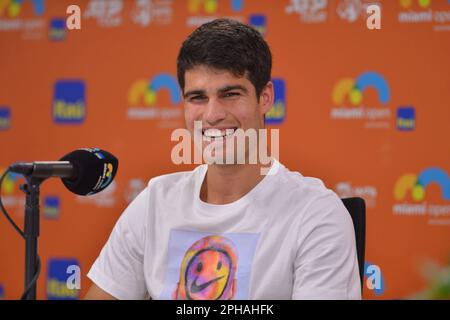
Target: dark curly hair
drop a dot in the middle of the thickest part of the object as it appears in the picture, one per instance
(230, 45)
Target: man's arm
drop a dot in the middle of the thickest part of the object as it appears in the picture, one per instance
(97, 293)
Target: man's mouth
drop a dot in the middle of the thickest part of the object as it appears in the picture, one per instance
(216, 134)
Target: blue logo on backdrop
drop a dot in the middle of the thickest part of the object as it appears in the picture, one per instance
(63, 279)
(57, 30)
(277, 114)
(51, 207)
(406, 118)
(5, 118)
(69, 102)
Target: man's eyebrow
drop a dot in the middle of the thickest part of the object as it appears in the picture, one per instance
(233, 87)
(194, 92)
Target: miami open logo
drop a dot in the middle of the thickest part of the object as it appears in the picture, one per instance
(13, 8)
(364, 98)
(147, 100)
(202, 11)
(410, 192)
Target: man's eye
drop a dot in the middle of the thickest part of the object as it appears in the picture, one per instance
(197, 98)
(231, 94)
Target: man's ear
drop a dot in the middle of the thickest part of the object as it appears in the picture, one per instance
(266, 98)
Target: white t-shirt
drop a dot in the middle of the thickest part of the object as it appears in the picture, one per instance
(288, 238)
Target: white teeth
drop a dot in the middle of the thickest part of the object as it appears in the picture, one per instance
(213, 133)
(217, 134)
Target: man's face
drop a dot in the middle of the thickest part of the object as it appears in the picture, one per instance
(223, 103)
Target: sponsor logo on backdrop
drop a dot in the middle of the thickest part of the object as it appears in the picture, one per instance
(5, 118)
(406, 118)
(422, 11)
(367, 192)
(12, 17)
(144, 96)
(411, 199)
(309, 11)
(135, 186)
(201, 11)
(354, 10)
(374, 278)
(104, 199)
(277, 113)
(12, 197)
(63, 279)
(57, 29)
(52, 206)
(259, 22)
(106, 13)
(145, 12)
(69, 102)
(348, 98)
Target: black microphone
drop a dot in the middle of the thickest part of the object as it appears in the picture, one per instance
(84, 171)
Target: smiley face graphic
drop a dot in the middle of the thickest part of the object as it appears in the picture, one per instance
(208, 270)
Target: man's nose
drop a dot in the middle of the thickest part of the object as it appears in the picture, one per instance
(214, 112)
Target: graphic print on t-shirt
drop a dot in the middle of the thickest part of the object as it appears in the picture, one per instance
(206, 266)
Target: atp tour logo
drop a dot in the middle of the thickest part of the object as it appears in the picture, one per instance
(309, 11)
(410, 194)
(144, 98)
(277, 113)
(63, 279)
(348, 95)
(420, 11)
(369, 193)
(202, 11)
(107, 13)
(258, 22)
(69, 102)
(57, 30)
(13, 8)
(5, 118)
(374, 278)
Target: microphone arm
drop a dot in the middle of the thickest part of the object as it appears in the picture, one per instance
(45, 169)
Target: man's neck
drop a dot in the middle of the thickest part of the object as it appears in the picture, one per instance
(227, 183)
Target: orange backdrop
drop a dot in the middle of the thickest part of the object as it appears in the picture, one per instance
(367, 111)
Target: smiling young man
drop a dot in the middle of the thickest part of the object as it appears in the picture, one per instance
(225, 231)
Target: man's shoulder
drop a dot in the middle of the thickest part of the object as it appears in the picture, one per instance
(176, 180)
(302, 186)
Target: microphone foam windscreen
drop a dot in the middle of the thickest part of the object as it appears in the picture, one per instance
(95, 169)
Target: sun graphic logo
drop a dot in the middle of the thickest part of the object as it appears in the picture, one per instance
(211, 6)
(144, 95)
(9, 189)
(13, 8)
(417, 184)
(354, 88)
(412, 186)
(202, 11)
(348, 95)
(409, 3)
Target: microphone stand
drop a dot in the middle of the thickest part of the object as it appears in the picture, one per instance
(31, 233)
